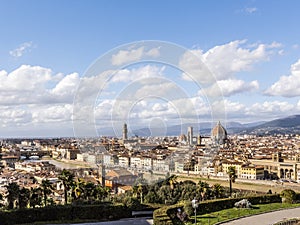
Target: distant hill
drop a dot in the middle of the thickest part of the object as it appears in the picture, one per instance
(204, 128)
(287, 125)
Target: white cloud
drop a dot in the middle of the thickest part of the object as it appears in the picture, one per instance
(132, 55)
(154, 52)
(226, 60)
(250, 10)
(230, 87)
(287, 86)
(33, 99)
(24, 47)
(259, 111)
(128, 75)
(270, 109)
(66, 87)
(49, 114)
(36, 85)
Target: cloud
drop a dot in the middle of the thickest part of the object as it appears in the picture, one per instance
(24, 47)
(36, 85)
(36, 101)
(247, 10)
(270, 110)
(230, 87)
(250, 10)
(224, 61)
(129, 75)
(258, 111)
(287, 86)
(65, 89)
(132, 55)
(57, 113)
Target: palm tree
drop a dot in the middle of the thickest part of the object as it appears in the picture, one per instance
(24, 196)
(67, 178)
(232, 176)
(204, 189)
(89, 189)
(35, 197)
(12, 196)
(79, 188)
(140, 190)
(98, 192)
(106, 192)
(47, 189)
(218, 190)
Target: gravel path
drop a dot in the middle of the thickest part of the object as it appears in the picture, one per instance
(267, 218)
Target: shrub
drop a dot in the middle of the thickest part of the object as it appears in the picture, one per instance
(132, 203)
(64, 213)
(167, 214)
(288, 196)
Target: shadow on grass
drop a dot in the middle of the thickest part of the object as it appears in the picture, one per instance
(207, 217)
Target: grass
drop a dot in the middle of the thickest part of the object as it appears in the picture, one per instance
(228, 214)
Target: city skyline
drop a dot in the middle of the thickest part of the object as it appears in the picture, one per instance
(46, 48)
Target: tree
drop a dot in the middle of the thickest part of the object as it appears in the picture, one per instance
(35, 197)
(204, 189)
(24, 196)
(140, 187)
(288, 196)
(89, 189)
(79, 188)
(47, 189)
(67, 179)
(151, 197)
(232, 176)
(172, 180)
(1, 199)
(12, 196)
(218, 190)
(140, 191)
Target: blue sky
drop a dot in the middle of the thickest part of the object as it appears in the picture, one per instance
(47, 46)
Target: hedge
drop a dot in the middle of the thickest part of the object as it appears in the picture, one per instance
(167, 215)
(64, 213)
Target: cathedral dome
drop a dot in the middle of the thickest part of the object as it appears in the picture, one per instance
(219, 134)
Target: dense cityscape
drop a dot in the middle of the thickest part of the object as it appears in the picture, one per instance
(118, 164)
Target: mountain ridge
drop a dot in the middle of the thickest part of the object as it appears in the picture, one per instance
(285, 125)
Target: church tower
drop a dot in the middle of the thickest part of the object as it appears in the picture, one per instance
(190, 135)
(125, 132)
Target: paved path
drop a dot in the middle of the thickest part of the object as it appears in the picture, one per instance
(267, 218)
(129, 221)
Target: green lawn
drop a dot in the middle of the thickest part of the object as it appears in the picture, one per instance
(227, 214)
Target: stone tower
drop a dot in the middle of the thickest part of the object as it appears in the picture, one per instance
(190, 135)
(125, 132)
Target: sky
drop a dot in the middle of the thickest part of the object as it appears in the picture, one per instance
(80, 68)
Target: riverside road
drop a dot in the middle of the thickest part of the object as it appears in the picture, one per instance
(262, 219)
(267, 218)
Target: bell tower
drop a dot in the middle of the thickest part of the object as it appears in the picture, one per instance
(125, 132)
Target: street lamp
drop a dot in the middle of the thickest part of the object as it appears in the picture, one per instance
(195, 206)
